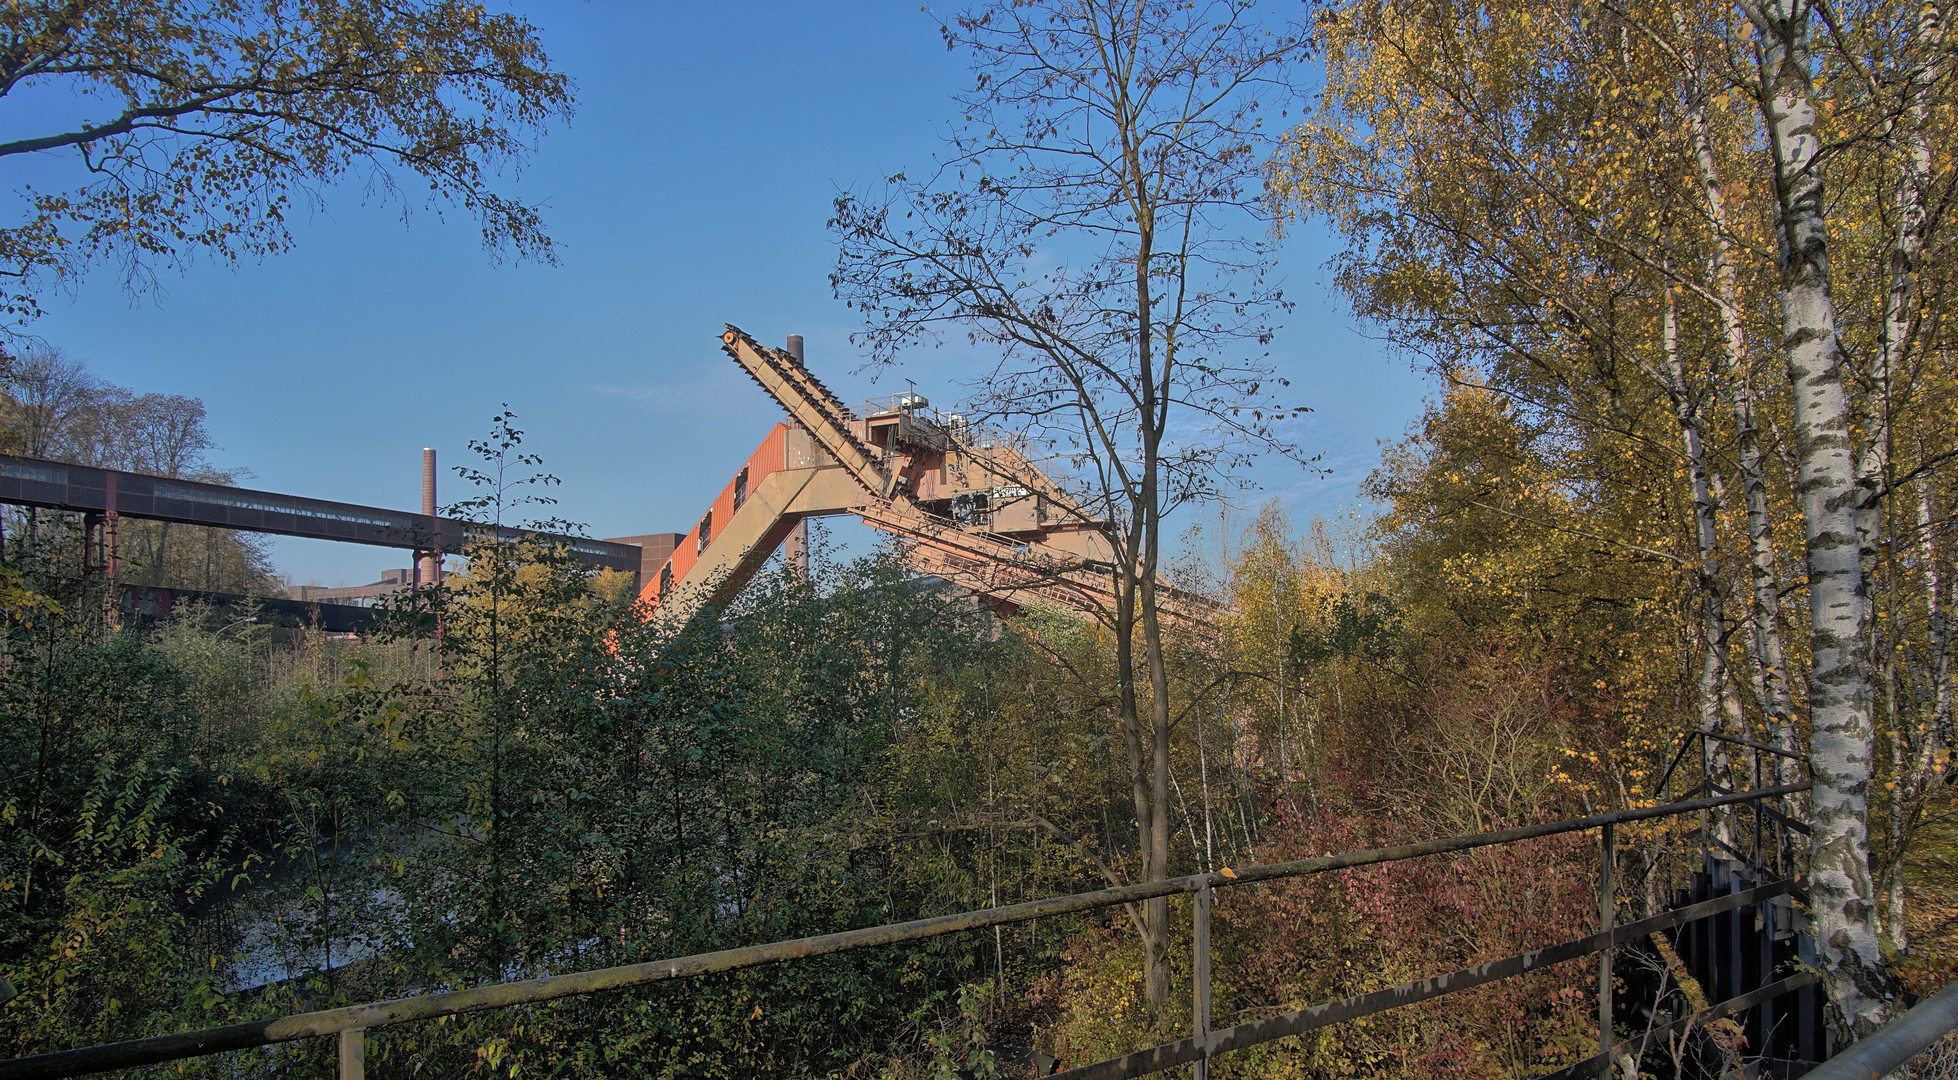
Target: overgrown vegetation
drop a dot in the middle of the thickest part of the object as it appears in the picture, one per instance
(1614, 527)
(517, 775)
(1682, 268)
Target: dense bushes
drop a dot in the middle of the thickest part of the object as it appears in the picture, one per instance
(226, 825)
(242, 825)
(206, 821)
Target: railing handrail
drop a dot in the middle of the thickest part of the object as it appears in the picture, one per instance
(1686, 743)
(1298, 1022)
(1761, 746)
(161, 1048)
(1896, 1042)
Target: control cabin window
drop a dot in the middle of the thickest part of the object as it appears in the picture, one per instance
(741, 488)
(706, 531)
(974, 509)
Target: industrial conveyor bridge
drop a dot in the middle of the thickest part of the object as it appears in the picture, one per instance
(972, 507)
(103, 496)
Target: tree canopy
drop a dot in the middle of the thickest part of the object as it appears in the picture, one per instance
(182, 127)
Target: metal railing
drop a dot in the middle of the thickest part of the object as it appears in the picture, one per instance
(351, 1023)
(1893, 1045)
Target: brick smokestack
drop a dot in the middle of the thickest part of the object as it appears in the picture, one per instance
(795, 551)
(430, 569)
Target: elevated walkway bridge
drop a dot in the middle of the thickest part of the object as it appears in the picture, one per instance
(105, 496)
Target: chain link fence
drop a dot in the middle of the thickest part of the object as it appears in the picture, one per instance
(1938, 1061)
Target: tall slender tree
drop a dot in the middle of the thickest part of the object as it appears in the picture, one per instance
(1096, 227)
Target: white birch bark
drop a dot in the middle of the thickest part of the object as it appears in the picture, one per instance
(1842, 737)
(1764, 613)
(1707, 578)
(1926, 756)
(1940, 618)
(1717, 708)
(1917, 743)
(1907, 246)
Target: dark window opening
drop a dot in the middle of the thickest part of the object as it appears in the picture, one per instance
(665, 582)
(972, 510)
(706, 531)
(741, 488)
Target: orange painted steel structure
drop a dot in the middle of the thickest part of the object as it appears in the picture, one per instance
(972, 509)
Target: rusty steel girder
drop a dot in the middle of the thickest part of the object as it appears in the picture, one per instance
(972, 508)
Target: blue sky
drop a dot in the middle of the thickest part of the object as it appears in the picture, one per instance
(690, 190)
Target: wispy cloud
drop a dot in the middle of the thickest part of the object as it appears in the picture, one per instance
(672, 398)
(652, 399)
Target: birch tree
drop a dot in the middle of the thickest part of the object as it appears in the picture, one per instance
(1551, 198)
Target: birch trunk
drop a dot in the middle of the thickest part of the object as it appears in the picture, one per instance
(1707, 579)
(1900, 331)
(1764, 612)
(1931, 737)
(1899, 301)
(1717, 708)
(1842, 738)
(1917, 744)
(1940, 624)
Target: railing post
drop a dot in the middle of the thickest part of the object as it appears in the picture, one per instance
(1706, 816)
(1761, 830)
(1201, 945)
(353, 1054)
(1607, 915)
